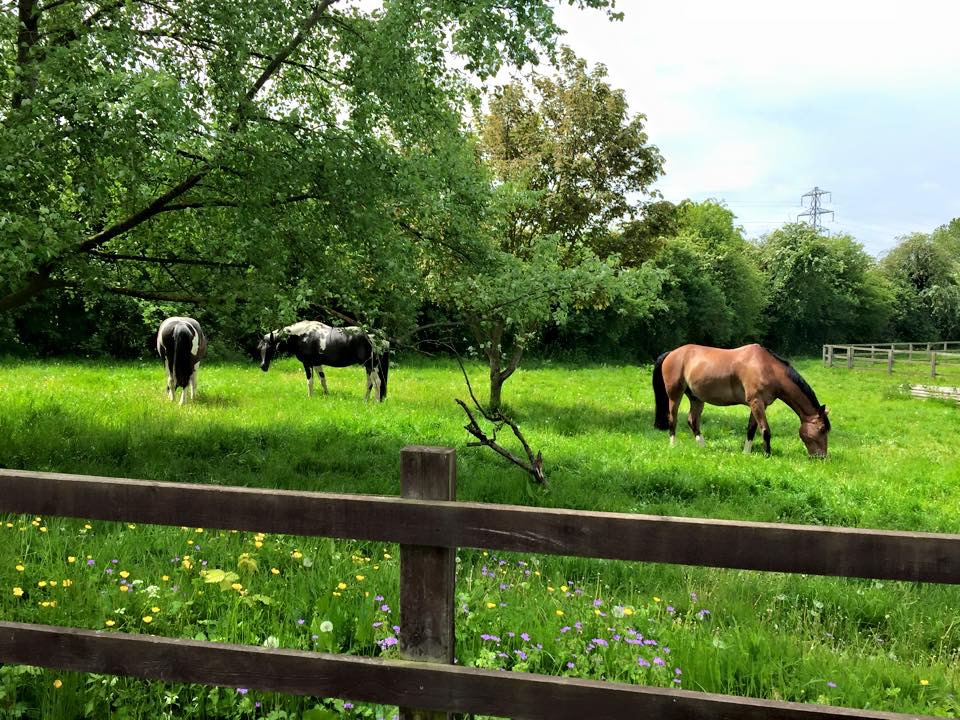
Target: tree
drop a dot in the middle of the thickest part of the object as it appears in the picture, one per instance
(567, 163)
(216, 151)
(924, 270)
(821, 289)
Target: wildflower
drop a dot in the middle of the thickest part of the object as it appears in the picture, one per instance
(108, 571)
(271, 642)
(525, 637)
(598, 602)
(831, 684)
(670, 610)
(388, 641)
(565, 629)
(642, 663)
(165, 578)
(300, 621)
(42, 583)
(90, 561)
(520, 654)
(242, 691)
(124, 588)
(549, 589)
(20, 568)
(88, 526)
(110, 623)
(274, 571)
(71, 559)
(564, 589)
(237, 586)
(43, 529)
(296, 554)
(18, 592)
(359, 578)
(385, 608)
(58, 683)
(326, 626)
(703, 613)
(656, 599)
(348, 706)
(341, 586)
(658, 661)
(154, 609)
(148, 619)
(491, 605)
(570, 665)
(559, 613)
(600, 641)
(387, 556)
(924, 682)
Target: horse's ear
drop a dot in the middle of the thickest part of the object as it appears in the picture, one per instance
(824, 409)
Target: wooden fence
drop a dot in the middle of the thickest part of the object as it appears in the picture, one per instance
(430, 526)
(934, 357)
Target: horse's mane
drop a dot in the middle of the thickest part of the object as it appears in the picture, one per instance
(801, 383)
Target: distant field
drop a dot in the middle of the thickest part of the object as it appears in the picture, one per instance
(893, 464)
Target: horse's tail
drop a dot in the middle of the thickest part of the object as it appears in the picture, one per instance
(182, 359)
(660, 421)
(383, 368)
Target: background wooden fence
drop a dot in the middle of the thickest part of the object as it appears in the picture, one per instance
(430, 526)
(930, 358)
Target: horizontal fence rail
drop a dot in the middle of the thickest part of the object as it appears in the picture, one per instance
(847, 552)
(934, 357)
(445, 688)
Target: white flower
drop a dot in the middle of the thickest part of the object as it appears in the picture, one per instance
(271, 642)
(326, 626)
(152, 591)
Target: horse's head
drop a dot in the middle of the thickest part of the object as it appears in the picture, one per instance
(814, 431)
(267, 348)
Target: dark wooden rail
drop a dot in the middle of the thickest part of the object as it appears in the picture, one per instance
(429, 530)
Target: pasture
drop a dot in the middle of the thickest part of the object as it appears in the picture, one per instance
(892, 464)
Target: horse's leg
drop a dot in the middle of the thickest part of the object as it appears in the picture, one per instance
(309, 372)
(751, 431)
(673, 405)
(759, 412)
(171, 383)
(693, 419)
(323, 379)
(193, 380)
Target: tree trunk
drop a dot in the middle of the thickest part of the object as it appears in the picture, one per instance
(496, 389)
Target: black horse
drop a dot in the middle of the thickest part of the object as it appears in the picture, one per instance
(182, 345)
(316, 345)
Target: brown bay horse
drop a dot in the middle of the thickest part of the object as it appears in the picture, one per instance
(750, 375)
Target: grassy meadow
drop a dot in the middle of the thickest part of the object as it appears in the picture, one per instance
(892, 464)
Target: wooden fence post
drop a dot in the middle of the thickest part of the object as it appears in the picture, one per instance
(933, 364)
(427, 573)
(890, 362)
(849, 357)
(830, 355)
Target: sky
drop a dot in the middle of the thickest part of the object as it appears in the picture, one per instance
(756, 102)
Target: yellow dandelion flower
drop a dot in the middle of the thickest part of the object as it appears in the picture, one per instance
(564, 589)
(154, 610)
(596, 611)
(359, 578)
(559, 613)
(10, 525)
(110, 623)
(366, 593)
(131, 526)
(924, 682)
(20, 568)
(376, 567)
(387, 556)
(336, 594)
(296, 554)
(628, 611)
(124, 574)
(53, 583)
(124, 588)
(199, 530)
(42, 583)
(66, 583)
(186, 564)
(88, 526)
(491, 605)
(537, 573)
(148, 619)
(341, 586)
(550, 589)
(485, 553)
(58, 683)
(71, 559)
(258, 543)
(18, 592)
(45, 603)
(656, 599)
(164, 578)
(35, 523)
(275, 571)
(237, 586)
(43, 529)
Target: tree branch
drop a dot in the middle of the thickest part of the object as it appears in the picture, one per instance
(113, 257)
(161, 295)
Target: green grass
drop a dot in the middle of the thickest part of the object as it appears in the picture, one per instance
(892, 464)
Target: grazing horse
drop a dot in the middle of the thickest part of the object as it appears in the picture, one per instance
(182, 345)
(316, 345)
(750, 375)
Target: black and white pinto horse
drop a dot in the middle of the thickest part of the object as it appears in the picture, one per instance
(182, 345)
(316, 345)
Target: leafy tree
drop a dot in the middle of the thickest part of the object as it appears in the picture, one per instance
(566, 160)
(924, 270)
(241, 151)
(821, 289)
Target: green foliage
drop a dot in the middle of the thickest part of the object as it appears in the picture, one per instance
(261, 157)
(924, 270)
(822, 289)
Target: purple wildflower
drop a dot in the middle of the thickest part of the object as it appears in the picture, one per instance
(598, 602)
(670, 610)
(385, 608)
(525, 637)
(677, 671)
(348, 706)
(571, 665)
(703, 613)
(600, 641)
(90, 561)
(520, 654)
(378, 624)
(658, 661)
(378, 598)
(388, 641)
(831, 684)
(242, 691)
(108, 571)
(300, 621)
(642, 663)
(565, 629)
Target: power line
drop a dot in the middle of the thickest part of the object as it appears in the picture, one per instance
(815, 210)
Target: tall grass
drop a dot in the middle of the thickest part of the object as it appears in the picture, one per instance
(892, 464)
